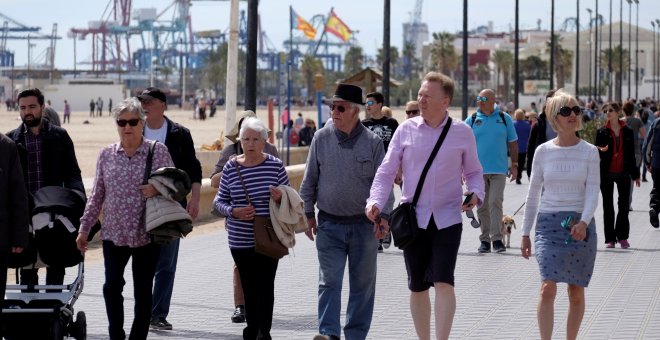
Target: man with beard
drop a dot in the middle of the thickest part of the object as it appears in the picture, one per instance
(47, 158)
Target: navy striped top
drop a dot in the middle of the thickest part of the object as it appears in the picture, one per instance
(231, 195)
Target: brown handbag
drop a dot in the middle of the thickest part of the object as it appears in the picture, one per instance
(266, 241)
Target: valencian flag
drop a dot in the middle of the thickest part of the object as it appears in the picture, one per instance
(298, 23)
(337, 27)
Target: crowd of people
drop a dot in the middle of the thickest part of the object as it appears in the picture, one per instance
(469, 168)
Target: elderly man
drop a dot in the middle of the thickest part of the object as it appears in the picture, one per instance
(180, 144)
(343, 159)
(431, 259)
(48, 158)
(494, 132)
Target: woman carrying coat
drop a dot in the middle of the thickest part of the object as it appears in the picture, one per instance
(254, 174)
(118, 192)
(616, 144)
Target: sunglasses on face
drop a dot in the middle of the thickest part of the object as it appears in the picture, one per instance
(370, 102)
(482, 99)
(131, 122)
(565, 111)
(412, 112)
(339, 108)
(474, 222)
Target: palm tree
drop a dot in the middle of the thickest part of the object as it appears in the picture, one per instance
(563, 61)
(353, 60)
(309, 67)
(481, 71)
(394, 59)
(534, 67)
(215, 69)
(443, 55)
(410, 63)
(503, 61)
(617, 54)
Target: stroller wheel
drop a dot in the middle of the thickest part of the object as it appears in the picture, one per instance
(57, 329)
(78, 329)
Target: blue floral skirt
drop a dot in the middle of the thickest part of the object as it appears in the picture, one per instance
(561, 261)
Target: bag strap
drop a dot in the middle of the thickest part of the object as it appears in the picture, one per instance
(418, 191)
(240, 178)
(150, 160)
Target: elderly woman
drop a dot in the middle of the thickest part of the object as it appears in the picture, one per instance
(562, 199)
(261, 173)
(118, 193)
(228, 152)
(616, 143)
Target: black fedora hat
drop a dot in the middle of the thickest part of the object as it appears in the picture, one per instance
(349, 93)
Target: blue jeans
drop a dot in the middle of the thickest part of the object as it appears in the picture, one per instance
(164, 279)
(335, 243)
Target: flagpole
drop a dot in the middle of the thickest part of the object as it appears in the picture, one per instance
(325, 24)
(288, 85)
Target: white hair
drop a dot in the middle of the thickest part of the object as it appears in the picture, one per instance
(131, 104)
(254, 124)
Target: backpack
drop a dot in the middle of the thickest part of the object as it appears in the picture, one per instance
(474, 117)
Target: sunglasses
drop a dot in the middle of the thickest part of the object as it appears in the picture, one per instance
(482, 99)
(339, 108)
(475, 223)
(412, 112)
(370, 102)
(565, 111)
(131, 122)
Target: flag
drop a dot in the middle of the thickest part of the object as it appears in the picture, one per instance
(337, 27)
(298, 23)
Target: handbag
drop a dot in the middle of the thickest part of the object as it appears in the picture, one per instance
(403, 219)
(266, 241)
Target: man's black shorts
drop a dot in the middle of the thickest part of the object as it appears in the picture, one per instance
(432, 256)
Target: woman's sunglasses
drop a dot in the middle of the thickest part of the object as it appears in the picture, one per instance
(131, 122)
(339, 108)
(412, 112)
(565, 111)
(474, 222)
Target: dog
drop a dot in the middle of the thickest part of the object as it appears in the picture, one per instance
(507, 224)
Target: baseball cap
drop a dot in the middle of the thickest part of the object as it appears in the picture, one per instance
(152, 93)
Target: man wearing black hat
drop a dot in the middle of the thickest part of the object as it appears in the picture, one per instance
(342, 162)
(182, 150)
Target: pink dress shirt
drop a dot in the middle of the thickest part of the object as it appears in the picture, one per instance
(442, 192)
(116, 192)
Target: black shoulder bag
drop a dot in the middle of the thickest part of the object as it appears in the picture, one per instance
(403, 219)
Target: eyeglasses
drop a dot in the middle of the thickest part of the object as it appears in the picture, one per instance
(339, 108)
(565, 111)
(482, 99)
(475, 223)
(412, 112)
(370, 102)
(131, 122)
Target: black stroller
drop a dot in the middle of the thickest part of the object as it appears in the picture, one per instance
(36, 311)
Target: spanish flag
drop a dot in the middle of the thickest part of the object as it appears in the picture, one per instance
(297, 22)
(337, 27)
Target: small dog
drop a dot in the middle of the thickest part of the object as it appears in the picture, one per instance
(507, 224)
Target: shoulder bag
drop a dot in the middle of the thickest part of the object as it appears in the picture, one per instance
(266, 241)
(403, 220)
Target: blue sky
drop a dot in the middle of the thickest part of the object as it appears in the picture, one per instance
(367, 18)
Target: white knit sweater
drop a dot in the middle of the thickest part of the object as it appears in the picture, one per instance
(563, 179)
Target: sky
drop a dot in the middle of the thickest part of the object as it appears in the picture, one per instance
(366, 18)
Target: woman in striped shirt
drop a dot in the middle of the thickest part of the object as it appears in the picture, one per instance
(261, 173)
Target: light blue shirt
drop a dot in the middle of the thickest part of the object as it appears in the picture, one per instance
(493, 138)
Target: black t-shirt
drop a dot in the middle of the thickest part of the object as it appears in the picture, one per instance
(383, 128)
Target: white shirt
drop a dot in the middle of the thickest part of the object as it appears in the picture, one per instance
(563, 179)
(156, 134)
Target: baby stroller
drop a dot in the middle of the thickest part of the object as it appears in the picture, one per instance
(33, 311)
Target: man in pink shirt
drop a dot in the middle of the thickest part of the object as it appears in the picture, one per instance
(431, 259)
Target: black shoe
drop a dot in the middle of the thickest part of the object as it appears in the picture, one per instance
(644, 179)
(380, 247)
(239, 314)
(518, 181)
(160, 324)
(498, 247)
(654, 218)
(387, 241)
(485, 247)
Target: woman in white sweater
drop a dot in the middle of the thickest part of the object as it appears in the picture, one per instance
(562, 198)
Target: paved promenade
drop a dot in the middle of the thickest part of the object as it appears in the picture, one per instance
(496, 293)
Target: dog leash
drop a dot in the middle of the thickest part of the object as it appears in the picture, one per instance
(514, 214)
